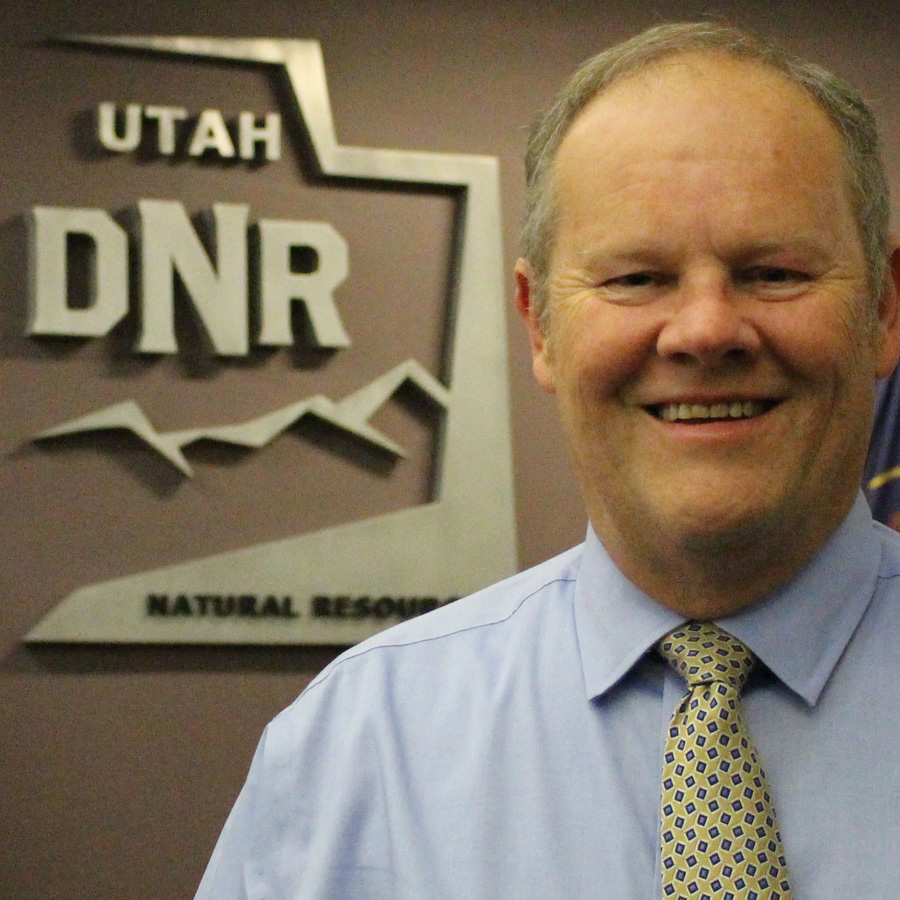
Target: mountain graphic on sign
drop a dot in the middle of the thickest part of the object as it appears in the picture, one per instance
(351, 414)
(463, 537)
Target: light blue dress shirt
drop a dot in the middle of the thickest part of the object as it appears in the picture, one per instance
(509, 745)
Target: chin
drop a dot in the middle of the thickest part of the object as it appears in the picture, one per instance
(729, 527)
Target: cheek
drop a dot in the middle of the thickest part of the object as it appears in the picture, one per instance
(597, 349)
(830, 356)
(820, 341)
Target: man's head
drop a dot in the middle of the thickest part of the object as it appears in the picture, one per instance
(838, 99)
(708, 321)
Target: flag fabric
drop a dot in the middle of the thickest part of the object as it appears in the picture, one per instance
(881, 477)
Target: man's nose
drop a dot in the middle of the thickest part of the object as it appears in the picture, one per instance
(708, 325)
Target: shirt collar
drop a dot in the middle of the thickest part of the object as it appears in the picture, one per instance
(799, 632)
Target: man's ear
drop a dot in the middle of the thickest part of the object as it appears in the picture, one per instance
(526, 303)
(888, 348)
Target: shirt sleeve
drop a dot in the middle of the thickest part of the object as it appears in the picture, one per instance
(310, 820)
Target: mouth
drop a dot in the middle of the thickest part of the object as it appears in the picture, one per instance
(723, 411)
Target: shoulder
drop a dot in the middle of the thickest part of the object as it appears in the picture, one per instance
(393, 737)
(490, 607)
(470, 636)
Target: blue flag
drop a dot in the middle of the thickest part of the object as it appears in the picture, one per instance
(881, 478)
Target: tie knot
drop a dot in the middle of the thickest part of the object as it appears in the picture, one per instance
(702, 652)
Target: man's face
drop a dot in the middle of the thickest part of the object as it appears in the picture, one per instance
(708, 335)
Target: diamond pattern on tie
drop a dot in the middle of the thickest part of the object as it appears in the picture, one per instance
(719, 837)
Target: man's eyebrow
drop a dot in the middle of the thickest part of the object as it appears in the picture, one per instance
(637, 252)
(660, 253)
(808, 246)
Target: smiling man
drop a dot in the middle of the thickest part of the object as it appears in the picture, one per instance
(706, 320)
(699, 701)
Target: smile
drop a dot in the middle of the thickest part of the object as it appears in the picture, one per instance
(733, 409)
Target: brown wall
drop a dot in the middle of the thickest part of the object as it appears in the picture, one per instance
(120, 763)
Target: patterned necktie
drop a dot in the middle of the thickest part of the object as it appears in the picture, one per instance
(719, 837)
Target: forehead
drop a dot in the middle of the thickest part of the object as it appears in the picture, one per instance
(702, 106)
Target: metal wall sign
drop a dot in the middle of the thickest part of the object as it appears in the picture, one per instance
(339, 584)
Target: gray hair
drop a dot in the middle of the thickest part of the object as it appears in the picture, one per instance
(839, 100)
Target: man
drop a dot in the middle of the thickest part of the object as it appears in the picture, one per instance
(709, 291)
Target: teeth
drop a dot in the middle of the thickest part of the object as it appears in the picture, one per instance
(736, 409)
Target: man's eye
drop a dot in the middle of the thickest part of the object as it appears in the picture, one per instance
(771, 275)
(634, 279)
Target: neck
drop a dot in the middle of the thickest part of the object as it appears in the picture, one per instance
(710, 576)
(707, 589)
